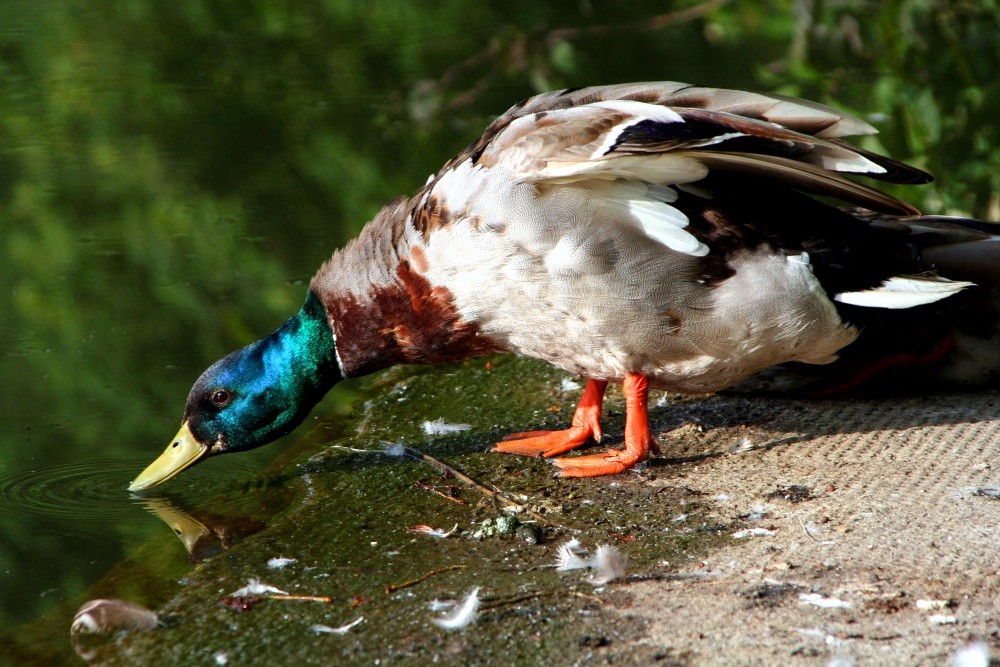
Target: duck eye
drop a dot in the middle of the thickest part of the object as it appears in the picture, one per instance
(221, 397)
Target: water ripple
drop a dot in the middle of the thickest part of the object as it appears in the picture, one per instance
(88, 490)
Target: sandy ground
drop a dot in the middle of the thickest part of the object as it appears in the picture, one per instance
(886, 555)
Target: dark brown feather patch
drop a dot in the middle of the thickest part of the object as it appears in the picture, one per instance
(407, 322)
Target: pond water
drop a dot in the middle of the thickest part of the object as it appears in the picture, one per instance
(172, 175)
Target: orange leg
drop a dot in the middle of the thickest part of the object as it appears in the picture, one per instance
(586, 424)
(638, 437)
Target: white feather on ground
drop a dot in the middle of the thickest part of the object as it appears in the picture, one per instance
(256, 587)
(942, 619)
(279, 562)
(567, 384)
(974, 654)
(421, 529)
(824, 602)
(441, 427)
(319, 628)
(568, 556)
(608, 563)
(464, 615)
(752, 532)
(397, 450)
(441, 605)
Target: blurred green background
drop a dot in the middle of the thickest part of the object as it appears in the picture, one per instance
(171, 174)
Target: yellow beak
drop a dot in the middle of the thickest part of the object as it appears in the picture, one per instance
(185, 526)
(182, 453)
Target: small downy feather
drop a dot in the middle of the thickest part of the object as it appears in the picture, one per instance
(464, 615)
(568, 556)
(973, 654)
(422, 529)
(396, 450)
(109, 615)
(257, 587)
(904, 292)
(609, 564)
(441, 427)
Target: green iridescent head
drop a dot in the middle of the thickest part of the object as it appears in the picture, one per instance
(254, 395)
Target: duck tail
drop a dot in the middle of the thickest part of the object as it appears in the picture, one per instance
(955, 248)
(974, 261)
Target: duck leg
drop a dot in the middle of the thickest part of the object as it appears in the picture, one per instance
(638, 437)
(586, 424)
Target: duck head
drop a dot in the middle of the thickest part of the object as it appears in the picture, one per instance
(254, 395)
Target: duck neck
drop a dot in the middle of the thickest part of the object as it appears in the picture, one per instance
(384, 310)
(302, 355)
(311, 345)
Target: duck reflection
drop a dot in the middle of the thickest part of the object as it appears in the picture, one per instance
(203, 533)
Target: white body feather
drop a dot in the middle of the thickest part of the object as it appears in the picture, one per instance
(578, 255)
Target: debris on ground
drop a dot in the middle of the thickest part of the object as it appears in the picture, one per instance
(824, 602)
(422, 529)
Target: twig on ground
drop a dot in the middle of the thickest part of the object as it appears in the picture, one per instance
(496, 494)
(494, 603)
(302, 598)
(392, 588)
(428, 487)
(811, 536)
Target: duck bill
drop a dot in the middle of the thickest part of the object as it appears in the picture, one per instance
(185, 526)
(183, 452)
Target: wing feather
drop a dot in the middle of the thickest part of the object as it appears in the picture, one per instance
(584, 120)
(808, 177)
(670, 133)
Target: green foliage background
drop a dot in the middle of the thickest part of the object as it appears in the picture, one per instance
(172, 173)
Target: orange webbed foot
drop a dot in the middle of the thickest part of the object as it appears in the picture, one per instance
(638, 438)
(610, 462)
(544, 443)
(586, 425)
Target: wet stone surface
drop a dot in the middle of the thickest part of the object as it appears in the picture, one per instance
(347, 520)
(769, 531)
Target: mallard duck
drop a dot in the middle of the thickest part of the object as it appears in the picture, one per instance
(650, 234)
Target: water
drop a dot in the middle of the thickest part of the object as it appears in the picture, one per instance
(172, 174)
(66, 523)
(88, 492)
